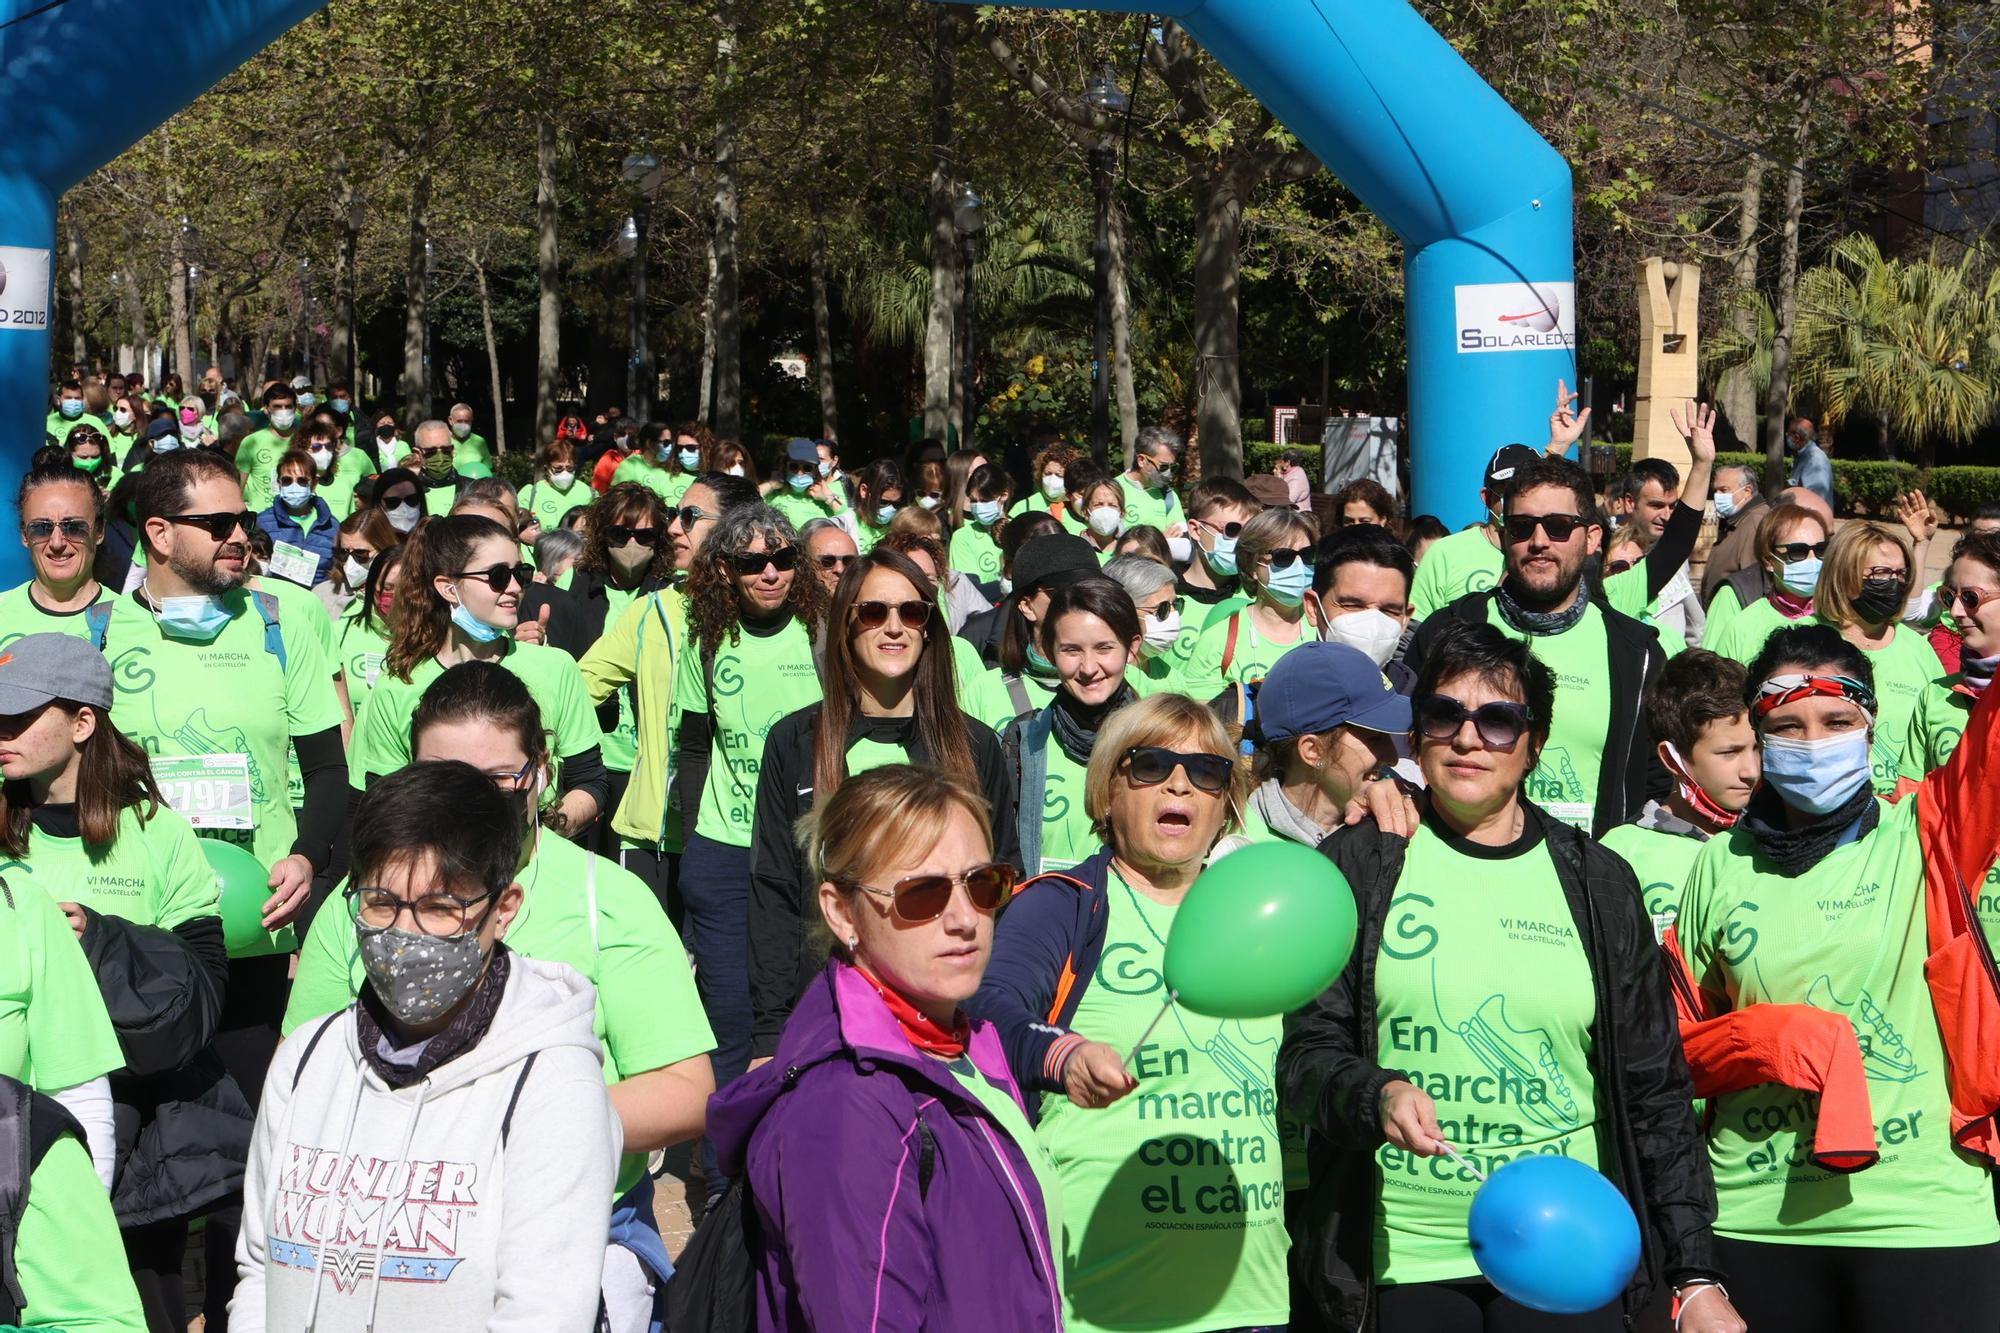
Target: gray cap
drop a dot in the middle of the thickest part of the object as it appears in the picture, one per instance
(801, 450)
(302, 382)
(41, 667)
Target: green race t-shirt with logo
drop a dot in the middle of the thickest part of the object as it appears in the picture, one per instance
(1847, 936)
(648, 1014)
(1936, 723)
(361, 645)
(472, 456)
(381, 743)
(21, 615)
(1564, 783)
(1250, 661)
(1160, 509)
(758, 679)
(1067, 837)
(975, 552)
(1174, 1195)
(54, 1031)
(621, 743)
(669, 486)
(257, 459)
(152, 874)
(1455, 565)
(217, 718)
(1661, 861)
(549, 505)
(799, 509)
(1483, 993)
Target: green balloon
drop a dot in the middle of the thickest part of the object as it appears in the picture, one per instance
(245, 885)
(1261, 932)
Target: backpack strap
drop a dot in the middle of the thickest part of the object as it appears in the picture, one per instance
(15, 1170)
(1229, 644)
(1035, 734)
(1017, 694)
(312, 1044)
(97, 619)
(274, 639)
(507, 1121)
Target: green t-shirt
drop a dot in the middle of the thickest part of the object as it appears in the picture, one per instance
(21, 615)
(54, 1031)
(381, 742)
(1013, 1122)
(1661, 861)
(1463, 562)
(1742, 635)
(648, 1014)
(222, 714)
(1722, 612)
(152, 874)
(800, 508)
(669, 486)
(350, 468)
(1039, 503)
(549, 505)
(993, 703)
(975, 552)
(1067, 837)
(121, 444)
(1625, 591)
(1250, 661)
(1160, 509)
(1482, 949)
(257, 459)
(1936, 722)
(759, 678)
(1849, 937)
(866, 534)
(472, 456)
(1564, 783)
(1173, 1196)
(360, 648)
(621, 743)
(70, 1262)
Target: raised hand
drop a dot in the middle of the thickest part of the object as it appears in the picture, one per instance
(1914, 512)
(1565, 423)
(1697, 426)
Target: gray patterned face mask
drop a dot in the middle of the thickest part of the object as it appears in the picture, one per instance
(419, 977)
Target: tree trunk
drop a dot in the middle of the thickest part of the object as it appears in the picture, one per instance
(829, 407)
(704, 413)
(135, 319)
(78, 313)
(344, 277)
(1217, 283)
(941, 326)
(728, 299)
(415, 389)
(1737, 394)
(1122, 388)
(1778, 398)
(492, 354)
(548, 278)
(177, 301)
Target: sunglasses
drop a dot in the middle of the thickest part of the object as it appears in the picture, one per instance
(784, 560)
(839, 562)
(499, 576)
(874, 615)
(1617, 566)
(218, 526)
(433, 453)
(1969, 598)
(1150, 765)
(1500, 725)
(921, 898)
(1560, 527)
(617, 534)
(1285, 558)
(389, 502)
(688, 515)
(361, 553)
(78, 529)
(1793, 552)
(1229, 530)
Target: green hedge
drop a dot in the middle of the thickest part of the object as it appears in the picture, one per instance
(516, 465)
(1959, 491)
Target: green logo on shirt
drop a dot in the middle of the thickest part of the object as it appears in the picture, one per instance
(728, 678)
(129, 672)
(1739, 938)
(1055, 805)
(1884, 1053)
(1423, 938)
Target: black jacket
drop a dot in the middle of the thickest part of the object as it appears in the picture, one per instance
(1629, 771)
(786, 953)
(1329, 1079)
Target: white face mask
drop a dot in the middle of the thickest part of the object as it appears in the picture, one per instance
(1373, 632)
(561, 480)
(122, 419)
(283, 418)
(1105, 520)
(322, 458)
(1161, 634)
(461, 429)
(1052, 486)
(734, 469)
(355, 572)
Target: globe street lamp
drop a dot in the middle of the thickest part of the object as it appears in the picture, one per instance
(968, 217)
(1104, 96)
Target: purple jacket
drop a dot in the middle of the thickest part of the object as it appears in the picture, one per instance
(828, 1134)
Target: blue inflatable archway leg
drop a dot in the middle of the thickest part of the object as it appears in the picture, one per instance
(1481, 202)
(67, 114)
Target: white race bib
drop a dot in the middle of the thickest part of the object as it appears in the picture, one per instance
(210, 791)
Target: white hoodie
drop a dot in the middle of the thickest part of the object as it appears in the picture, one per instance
(395, 1209)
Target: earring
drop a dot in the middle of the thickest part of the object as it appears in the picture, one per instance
(854, 941)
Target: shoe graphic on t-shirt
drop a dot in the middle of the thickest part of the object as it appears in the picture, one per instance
(1522, 1060)
(1884, 1053)
(198, 736)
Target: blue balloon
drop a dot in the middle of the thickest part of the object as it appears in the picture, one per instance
(1554, 1235)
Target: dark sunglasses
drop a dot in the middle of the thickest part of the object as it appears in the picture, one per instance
(1560, 527)
(617, 534)
(1969, 598)
(839, 562)
(688, 515)
(218, 526)
(389, 502)
(499, 576)
(1150, 765)
(874, 615)
(77, 529)
(1286, 557)
(784, 560)
(1793, 552)
(361, 553)
(1617, 566)
(921, 898)
(1229, 530)
(1500, 725)
(434, 451)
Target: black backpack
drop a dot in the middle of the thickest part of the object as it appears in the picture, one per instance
(714, 1287)
(30, 1125)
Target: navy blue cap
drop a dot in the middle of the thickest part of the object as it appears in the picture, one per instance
(1319, 686)
(801, 450)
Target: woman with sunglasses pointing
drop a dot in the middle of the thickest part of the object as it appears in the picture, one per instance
(1505, 998)
(457, 600)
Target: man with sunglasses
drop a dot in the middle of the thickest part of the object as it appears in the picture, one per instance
(830, 548)
(436, 471)
(1148, 484)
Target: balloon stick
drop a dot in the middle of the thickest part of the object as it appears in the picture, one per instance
(1452, 1153)
(1172, 995)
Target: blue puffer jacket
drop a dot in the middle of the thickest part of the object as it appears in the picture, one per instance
(284, 526)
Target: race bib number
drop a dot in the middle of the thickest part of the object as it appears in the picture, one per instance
(1679, 589)
(210, 791)
(293, 563)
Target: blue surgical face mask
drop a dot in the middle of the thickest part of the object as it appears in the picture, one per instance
(71, 408)
(201, 616)
(1802, 576)
(984, 512)
(799, 481)
(1223, 558)
(475, 629)
(1725, 504)
(165, 444)
(1288, 586)
(884, 515)
(825, 467)
(690, 458)
(342, 406)
(1817, 776)
(295, 495)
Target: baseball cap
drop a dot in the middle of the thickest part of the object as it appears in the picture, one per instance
(41, 667)
(801, 450)
(302, 382)
(1054, 561)
(1506, 459)
(1319, 686)
(160, 427)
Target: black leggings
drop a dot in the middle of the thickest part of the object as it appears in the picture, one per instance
(1839, 1289)
(1473, 1306)
(153, 1252)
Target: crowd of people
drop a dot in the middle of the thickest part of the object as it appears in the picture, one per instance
(653, 803)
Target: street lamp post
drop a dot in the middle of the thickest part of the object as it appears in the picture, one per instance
(642, 173)
(968, 216)
(1106, 98)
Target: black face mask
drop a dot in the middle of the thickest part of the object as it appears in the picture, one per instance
(1881, 599)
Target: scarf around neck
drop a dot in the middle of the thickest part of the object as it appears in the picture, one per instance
(1540, 623)
(1075, 724)
(923, 1032)
(1977, 672)
(1794, 851)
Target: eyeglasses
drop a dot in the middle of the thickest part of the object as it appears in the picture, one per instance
(1969, 598)
(784, 560)
(1793, 552)
(617, 534)
(839, 562)
(874, 615)
(499, 576)
(514, 779)
(1230, 530)
(1286, 557)
(1560, 527)
(434, 451)
(294, 479)
(1150, 765)
(1500, 725)
(389, 502)
(1884, 572)
(1618, 566)
(439, 914)
(920, 898)
(361, 553)
(218, 526)
(78, 529)
(688, 515)
(1160, 612)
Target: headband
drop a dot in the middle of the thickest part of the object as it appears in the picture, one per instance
(1793, 686)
